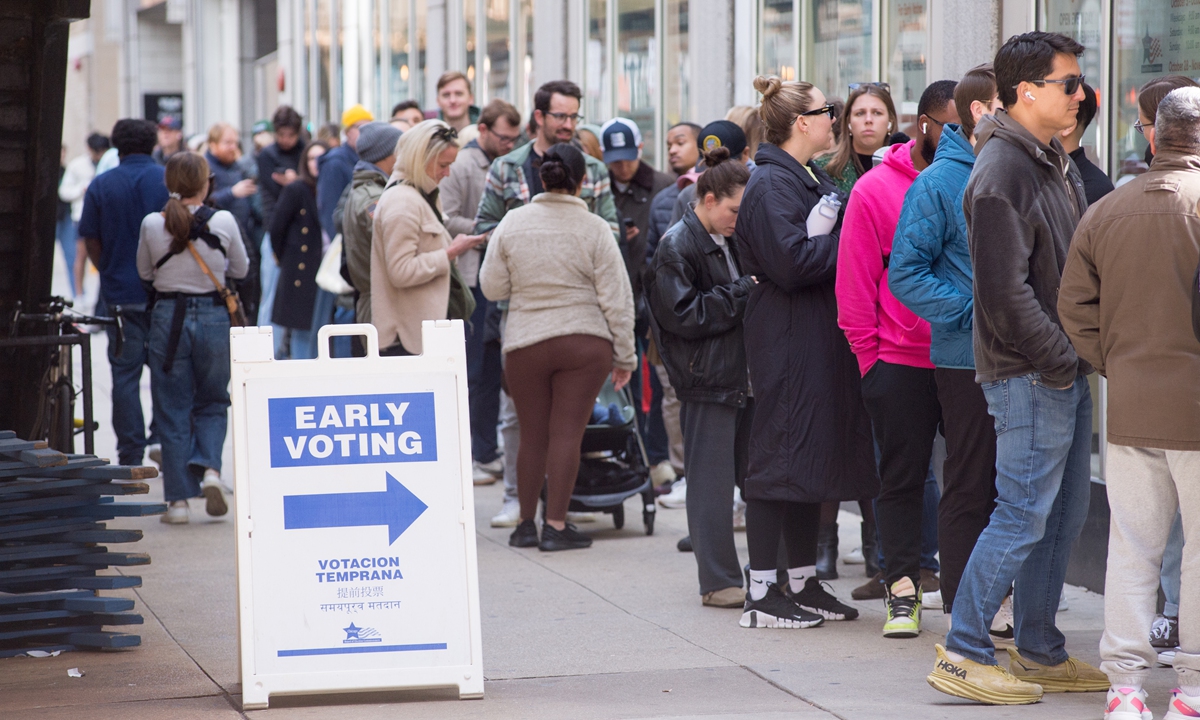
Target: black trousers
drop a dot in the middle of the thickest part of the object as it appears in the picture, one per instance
(903, 404)
(969, 492)
(716, 443)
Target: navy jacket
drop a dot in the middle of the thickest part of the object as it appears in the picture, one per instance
(225, 177)
(930, 268)
(336, 170)
(660, 217)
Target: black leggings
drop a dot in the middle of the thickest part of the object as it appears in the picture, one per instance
(797, 523)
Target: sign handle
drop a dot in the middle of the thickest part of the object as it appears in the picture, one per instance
(363, 329)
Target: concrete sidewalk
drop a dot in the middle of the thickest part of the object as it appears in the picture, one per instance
(615, 631)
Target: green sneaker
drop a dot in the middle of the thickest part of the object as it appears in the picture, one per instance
(903, 610)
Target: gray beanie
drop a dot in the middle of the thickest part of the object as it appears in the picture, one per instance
(376, 141)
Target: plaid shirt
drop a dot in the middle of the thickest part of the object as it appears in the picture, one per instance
(507, 189)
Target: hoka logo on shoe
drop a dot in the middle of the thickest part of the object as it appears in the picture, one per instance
(952, 669)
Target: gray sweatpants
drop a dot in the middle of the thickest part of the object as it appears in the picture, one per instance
(1145, 486)
(716, 440)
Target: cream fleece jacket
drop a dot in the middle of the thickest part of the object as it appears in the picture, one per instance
(562, 273)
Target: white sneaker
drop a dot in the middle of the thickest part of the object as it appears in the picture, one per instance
(663, 473)
(581, 517)
(854, 557)
(214, 493)
(1002, 625)
(739, 510)
(155, 453)
(1126, 704)
(1062, 601)
(509, 515)
(495, 467)
(677, 498)
(1183, 706)
(481, 476)
(177, 513)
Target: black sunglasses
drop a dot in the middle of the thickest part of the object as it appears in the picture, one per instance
(1070, 85)
(829, 108)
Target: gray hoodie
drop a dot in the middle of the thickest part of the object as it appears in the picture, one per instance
(1022, 204)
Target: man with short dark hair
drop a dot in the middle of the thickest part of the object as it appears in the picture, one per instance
(1126, 303)
(406, 114)
(499, 129)
(1095, 181)
(1022, 204)
(456, 102)
(110, 226)
(892, 347)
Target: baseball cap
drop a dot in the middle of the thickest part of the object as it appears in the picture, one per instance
(620, 139)
(722, 133)
(170, 122)
(261, 126)
(355, 114)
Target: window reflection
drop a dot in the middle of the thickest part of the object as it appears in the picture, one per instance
(637, 78)
(777, 54)
(597, 98)
(676, 97)
(839, 45)
(496, 62)
(907, 53)
(401, 73)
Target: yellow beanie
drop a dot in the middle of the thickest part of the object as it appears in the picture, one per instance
(356, 114)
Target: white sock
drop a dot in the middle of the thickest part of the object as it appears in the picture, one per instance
(954, 656)
(797, 576)
(759, 580)
(211, 475)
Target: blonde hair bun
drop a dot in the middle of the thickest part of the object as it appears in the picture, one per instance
(768, 86)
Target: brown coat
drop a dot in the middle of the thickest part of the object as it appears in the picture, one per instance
(410, 270)
(1126, 303)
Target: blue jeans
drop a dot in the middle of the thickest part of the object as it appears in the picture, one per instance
(65, 232)
(191, 402)
(268, 273)
(1043, 472)
(1172, 565)
(128, 422)
(483, 380)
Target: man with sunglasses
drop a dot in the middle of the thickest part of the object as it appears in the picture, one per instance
(1021, 205)
(499, 129)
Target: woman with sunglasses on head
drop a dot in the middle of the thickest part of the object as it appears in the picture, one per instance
(811, 438)
(189, 332)
(412, 255)
(296, 239)
(865, 126)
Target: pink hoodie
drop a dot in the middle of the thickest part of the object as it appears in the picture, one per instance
(877, 325)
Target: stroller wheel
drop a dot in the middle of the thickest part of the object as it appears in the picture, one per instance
(618, 514)
(648, 519)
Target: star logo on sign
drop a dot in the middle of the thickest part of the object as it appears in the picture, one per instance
(352, 632)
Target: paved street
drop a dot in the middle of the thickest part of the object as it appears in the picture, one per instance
(616, 631)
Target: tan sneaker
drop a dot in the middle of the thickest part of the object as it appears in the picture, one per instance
(1074, 675)
(989, 684)
(730, 597)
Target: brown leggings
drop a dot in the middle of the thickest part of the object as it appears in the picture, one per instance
(554, 385)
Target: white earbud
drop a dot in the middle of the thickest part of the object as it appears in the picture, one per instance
(924, 127)
(1030, 96)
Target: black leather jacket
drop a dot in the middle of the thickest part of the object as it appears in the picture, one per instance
(696, 310)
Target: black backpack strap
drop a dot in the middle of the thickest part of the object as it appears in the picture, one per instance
(200, 230)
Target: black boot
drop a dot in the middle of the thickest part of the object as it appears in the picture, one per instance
(827, 553)
(870, 549)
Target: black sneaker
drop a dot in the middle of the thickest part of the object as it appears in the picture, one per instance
(1164, 633)
(525, 535)
(815, 598)
(566, 539)
(776, 610)
(684, 544)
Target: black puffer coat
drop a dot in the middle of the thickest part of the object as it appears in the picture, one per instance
(696, 311)
(811, 440)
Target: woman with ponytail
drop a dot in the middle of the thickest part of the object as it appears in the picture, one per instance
(697, 293)
(811, 437)
(189, 332)
(570, 324)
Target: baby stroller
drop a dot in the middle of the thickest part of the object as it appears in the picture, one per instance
(613, 466)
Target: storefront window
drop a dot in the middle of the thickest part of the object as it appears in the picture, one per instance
(401, 66)
(840, 46)
(1083, 21)
(777, 50)
(1150, 39)
(417, 88)
(496, 61)
(637, 79)
(597, 98)
(676, 98)
(324, 39)
(906, 53)
(527, 82)
(469, 35)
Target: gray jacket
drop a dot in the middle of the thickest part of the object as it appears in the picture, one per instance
(1021, 205)
(460, 195)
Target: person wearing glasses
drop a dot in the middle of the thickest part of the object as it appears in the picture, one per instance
(865, 125)
(1022, 205)
(499, 129)
(513, 181)
(413, 278)
(810, 440)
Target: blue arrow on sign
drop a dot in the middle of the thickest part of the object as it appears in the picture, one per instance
(395, 507)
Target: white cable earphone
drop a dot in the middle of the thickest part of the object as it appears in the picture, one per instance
(1029, 95)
